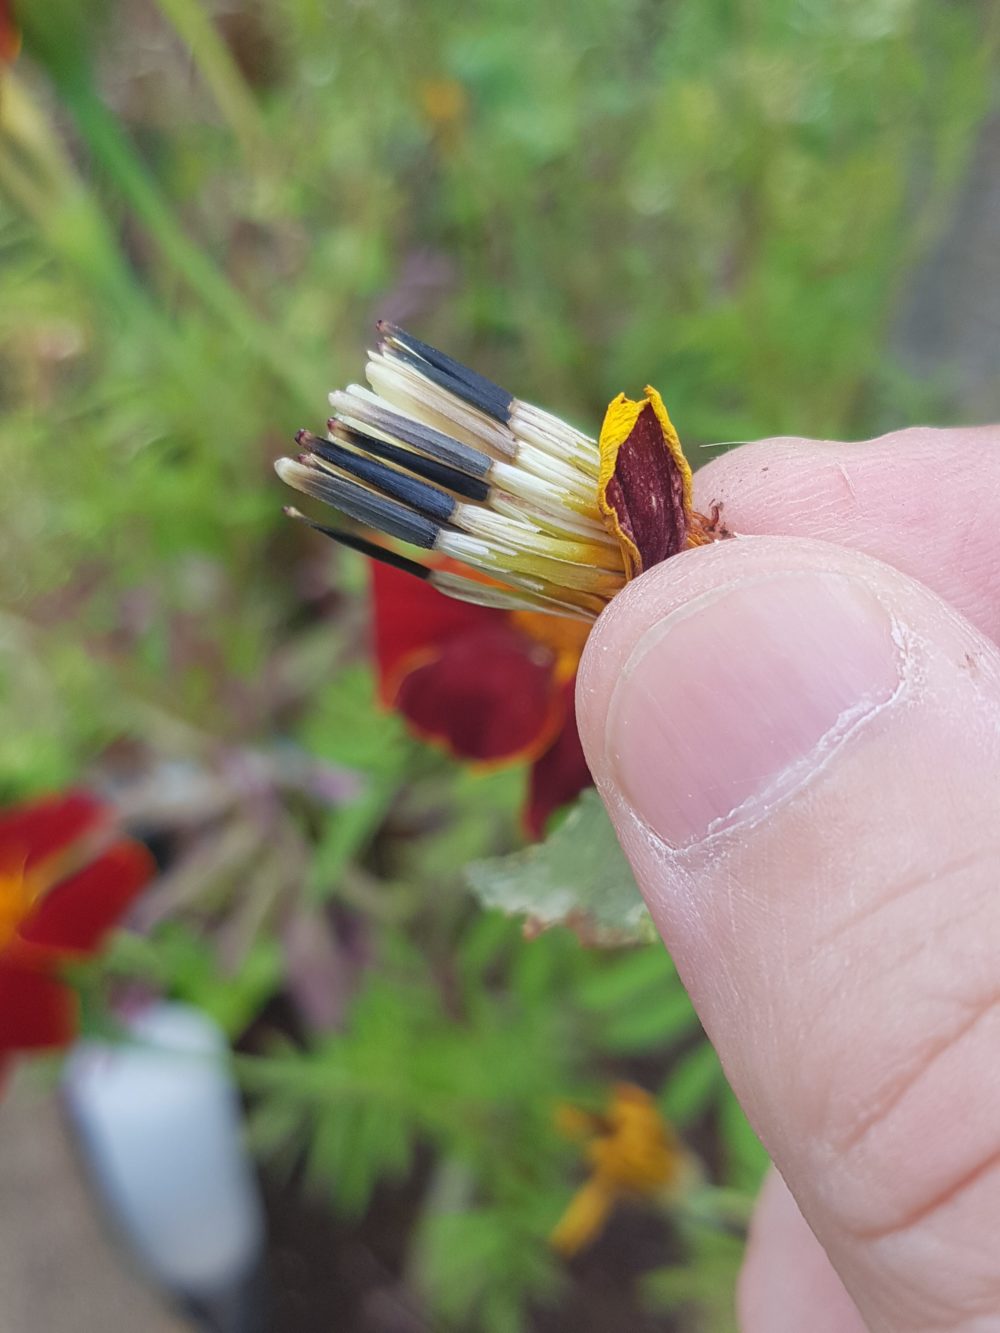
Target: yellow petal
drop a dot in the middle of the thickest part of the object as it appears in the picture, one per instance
(587, 1212)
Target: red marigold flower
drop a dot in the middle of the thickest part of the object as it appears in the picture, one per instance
(64, 883)
(10, 37)
(489, 686)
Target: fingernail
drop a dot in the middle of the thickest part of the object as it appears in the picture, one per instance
(741, 694)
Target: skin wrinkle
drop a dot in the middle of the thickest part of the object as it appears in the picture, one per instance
(913, 883)
(883, 963)
(922, 946)
(944, 1198)
(925, 1063)
(922, 1319)
(679, 916)
(852, 492)
(913, 1105)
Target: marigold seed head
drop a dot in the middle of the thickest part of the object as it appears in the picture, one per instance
(435, 455)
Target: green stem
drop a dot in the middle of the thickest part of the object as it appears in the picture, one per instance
(114, 152)
(221, 75)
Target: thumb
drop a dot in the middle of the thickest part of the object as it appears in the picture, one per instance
(800, 750)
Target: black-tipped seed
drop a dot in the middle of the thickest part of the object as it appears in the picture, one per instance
(425, 438)
(475, 383)
(368, 508)
(365, 547)
(492, 404)
(450, 374)
(418, 495)
(470, 488)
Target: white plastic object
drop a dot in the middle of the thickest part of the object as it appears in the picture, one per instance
(159, 1124)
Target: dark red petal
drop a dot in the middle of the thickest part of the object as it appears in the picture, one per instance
(36, 1010)
(488, 695)
(31, 832)
(559, 775)
(644, 485)
(647, 493)
(410, 616)
(79, 911)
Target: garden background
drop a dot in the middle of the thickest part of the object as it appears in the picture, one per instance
(783, 213)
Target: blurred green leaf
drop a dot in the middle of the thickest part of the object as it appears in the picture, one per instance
(472, 1261)
(628, 978)
(746, 1158)
(653, 1024)
(346, 726)
(703, 1287)
(184, 965)
(577, 877)
(692, 1085)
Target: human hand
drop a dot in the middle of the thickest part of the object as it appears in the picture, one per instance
(798, 741)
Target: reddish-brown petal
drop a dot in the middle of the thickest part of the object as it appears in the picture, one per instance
(36, 830)
(36, 1009)
(411, 617)
(77, 913)
(644, 488)
(559, 775)
(10, 37)
(488, 695)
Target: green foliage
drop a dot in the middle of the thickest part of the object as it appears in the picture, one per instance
(478, 1083)
(344, 726)
(703, 1287)
(479, 1265)
(746, 1159)
(177, 960)
(494, 1066)
(693, 1085)
(637, 1002)
(476, 1072)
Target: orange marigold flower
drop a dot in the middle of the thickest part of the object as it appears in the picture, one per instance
(632, 1151)
(64, 882)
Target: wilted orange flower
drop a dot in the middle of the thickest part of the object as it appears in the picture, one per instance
(632, 1151)
(64, 882)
